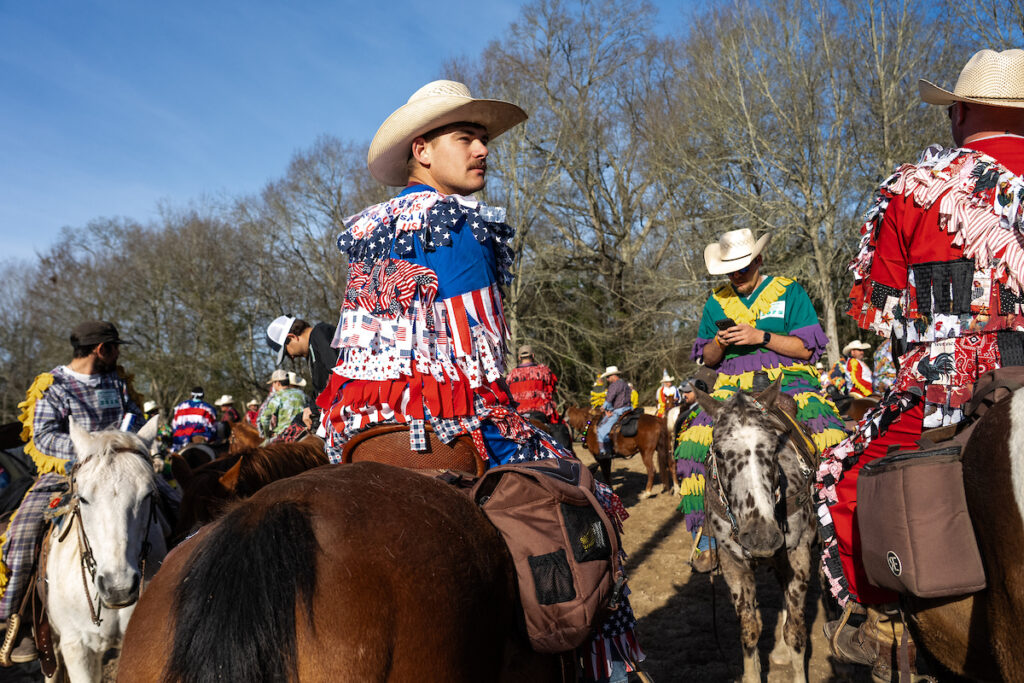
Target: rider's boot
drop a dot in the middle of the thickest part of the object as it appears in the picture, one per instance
(875, 642)
(14, 650)
(25, 651)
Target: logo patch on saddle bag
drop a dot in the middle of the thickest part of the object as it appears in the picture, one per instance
(564, 548)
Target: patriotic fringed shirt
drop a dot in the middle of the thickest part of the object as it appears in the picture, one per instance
(192, 418)
(422, 332)
(533, 389)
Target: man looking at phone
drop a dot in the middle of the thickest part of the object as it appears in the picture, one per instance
(753, 323)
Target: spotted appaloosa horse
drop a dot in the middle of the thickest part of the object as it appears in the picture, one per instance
(759, 507)
(359, 572)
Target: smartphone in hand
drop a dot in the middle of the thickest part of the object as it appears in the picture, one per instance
(725, 323)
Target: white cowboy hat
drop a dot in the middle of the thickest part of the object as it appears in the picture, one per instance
(224, 400)
(666, 378)
(856, 344)
(609, 371)
(437, 104)
(295, 380)
(149, 406)
(252, 402)
(734, 250)
(989, 77)
(277, 334)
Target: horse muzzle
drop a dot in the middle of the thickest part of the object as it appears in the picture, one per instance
(761, 540)
(115, 597)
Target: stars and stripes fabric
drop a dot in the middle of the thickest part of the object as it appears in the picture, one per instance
(192, 418)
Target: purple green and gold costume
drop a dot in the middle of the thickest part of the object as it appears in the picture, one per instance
(780, 306)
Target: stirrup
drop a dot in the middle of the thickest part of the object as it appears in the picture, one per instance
(10, 637)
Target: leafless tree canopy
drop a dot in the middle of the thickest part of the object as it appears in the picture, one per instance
(648, 136)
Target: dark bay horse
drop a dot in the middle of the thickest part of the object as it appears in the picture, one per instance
(651, 438)
(759, 507)
(360, 572)
(207, 488)
(978, 636)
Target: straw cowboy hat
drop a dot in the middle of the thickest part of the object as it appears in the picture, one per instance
(856, 345)
(665, 377)
(224, 400)
(437, 104)
(609, 371)
(252, 402)
(990, 77)
(278, 376)
(734, 250)
(526, 351)
(149, 406)
(295, 380)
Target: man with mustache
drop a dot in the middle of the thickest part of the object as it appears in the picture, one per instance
(422, 333)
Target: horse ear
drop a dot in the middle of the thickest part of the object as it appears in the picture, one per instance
(768, 396)
(710, 405)
(148, 431)
(181, 470)
(229, 480)
(80, 438)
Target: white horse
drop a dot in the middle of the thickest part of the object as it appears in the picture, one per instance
(109, 538)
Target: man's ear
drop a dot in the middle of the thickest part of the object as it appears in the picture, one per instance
(421, 151)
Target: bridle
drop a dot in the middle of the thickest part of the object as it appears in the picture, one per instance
(87, 562)
(789, 430)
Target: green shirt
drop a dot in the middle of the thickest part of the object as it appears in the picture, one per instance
(284, 405)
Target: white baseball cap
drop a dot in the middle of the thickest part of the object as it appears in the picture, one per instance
(277, 334)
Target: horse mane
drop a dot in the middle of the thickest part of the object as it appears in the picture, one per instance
(262, 465)
(245, 630)
(106, 450)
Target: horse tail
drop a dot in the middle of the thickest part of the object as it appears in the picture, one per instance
(235, 612)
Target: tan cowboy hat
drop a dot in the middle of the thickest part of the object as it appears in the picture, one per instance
(990, 77)
(225, 399)
(252, 402)
(665, 377)
(734, 250)
(278, 376)
(856, 345)
(609, 371)
(295, 380)
(437, 104)
(525, 351)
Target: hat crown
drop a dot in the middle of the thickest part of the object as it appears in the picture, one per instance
(737, 243)
(992, 75)
(440, 89)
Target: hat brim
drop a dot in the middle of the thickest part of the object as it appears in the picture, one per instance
(716, 265)
(389, 151)
(933, 94)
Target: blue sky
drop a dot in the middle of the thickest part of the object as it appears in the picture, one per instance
(112, 108)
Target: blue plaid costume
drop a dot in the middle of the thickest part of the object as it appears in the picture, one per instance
(94, 402)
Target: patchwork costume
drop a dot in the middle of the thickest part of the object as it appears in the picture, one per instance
(422, 341)
(192, 418)
(885, 370)
(851, 377)
(777, 305)
(95, 402)
(940, 269)
(533, 389)
(280, 410)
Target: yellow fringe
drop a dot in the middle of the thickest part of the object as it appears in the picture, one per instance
(634, 398)
(44, 463)
(745, 380)
(828, 438)
(693, 485)
(700, 434)
(730, 302)
(597, 399)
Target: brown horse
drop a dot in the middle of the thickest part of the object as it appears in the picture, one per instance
(361, 572)
(206, 489)
(977, 636)
(243, 435)
(651, 437)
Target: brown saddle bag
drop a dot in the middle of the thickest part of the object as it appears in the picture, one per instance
(916, 532)
(389, 444)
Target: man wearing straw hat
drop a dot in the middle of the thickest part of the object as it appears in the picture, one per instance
(667, 390)
(851, 375)
(755, 323)
(941, 271)
(422, 333)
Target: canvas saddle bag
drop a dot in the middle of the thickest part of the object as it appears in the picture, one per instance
(916, 532)
(564, 547)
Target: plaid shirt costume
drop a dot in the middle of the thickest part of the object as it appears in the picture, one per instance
(98, 402)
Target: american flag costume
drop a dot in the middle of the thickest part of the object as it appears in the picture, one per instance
(422, 339)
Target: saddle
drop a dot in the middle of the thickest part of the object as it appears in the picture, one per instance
(629, 423)
(389, 444)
